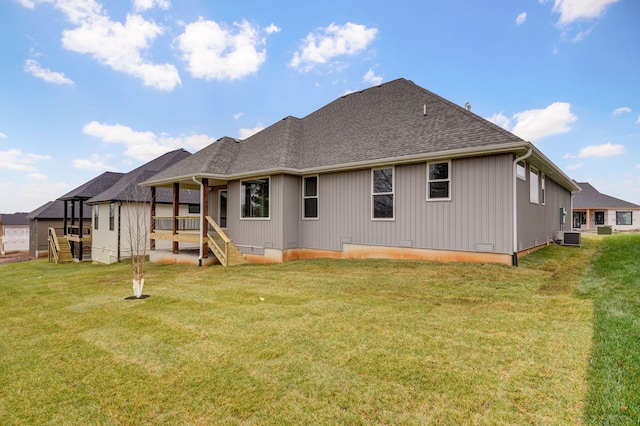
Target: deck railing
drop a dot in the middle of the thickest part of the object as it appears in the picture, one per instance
(219, 241)
(185, 223)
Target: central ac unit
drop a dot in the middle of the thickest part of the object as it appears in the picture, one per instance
(571, 239)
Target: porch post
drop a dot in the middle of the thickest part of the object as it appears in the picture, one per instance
(204, 226)
(64, 218)
(588, 226)
(176, 212)
(73, 222)
(80, 230)
(152, 243)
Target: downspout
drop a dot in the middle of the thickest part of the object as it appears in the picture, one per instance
(118, 253)
(200, 254)
(514, 260)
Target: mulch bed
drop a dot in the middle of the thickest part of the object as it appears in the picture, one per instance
(14, 257)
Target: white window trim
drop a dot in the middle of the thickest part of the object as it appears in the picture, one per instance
(524, 170)
(533, 170)
(440, 180)
(543, 189)
(392, 193)
(242, 197)
(317, 197)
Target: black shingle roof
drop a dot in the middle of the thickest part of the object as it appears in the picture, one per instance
(126, 188)
(591, 198)
(55, 210)
(94, 187)
(14, 219)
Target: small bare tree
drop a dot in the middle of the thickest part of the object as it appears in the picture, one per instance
(135, 220)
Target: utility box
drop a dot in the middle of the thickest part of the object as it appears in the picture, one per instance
(571, 239)
(604, 230)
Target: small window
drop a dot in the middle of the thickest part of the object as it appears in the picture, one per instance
(254, 195)
(624, 218)
(382, 193)
(542, 189)
(439, 181)
(599, 218)
(534, 190)
(521, 170)
(112, 216)
(194, 208)
(96, 216)
(310, 197)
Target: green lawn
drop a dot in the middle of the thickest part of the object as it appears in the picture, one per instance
(311, 342)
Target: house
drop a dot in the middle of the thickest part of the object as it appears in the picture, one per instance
(122, 210)
(49, 216)
(15, 233)
(592, 209)
(394, 171)
(75, 231)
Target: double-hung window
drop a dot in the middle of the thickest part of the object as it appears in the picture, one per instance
(310, 197)
(112, 216)
(254, 196)
(382, 181)
(439, 181)
(534, 185)
(96, 216)
(542, 189)
(521, 170)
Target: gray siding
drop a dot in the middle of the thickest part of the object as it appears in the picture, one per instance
(478, 213)
(538, 223)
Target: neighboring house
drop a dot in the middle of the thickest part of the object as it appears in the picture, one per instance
(592, 209)
(49, 215)
(393, 171)
(122, 211)
(15, 232)
(74, 228)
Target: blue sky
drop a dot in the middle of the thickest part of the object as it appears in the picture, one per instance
(89, 85)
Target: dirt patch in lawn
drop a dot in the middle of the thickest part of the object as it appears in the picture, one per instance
(19, 256)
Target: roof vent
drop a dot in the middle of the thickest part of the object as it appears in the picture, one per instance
(467, 106)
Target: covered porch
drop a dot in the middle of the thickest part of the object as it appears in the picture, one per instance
(197, 228)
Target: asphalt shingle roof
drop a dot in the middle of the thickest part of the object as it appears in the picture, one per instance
(14, 219)
(591, 198)
(127, 188)
(94, 187)
(55, 210)
(383, 122)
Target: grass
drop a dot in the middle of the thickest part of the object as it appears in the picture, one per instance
(613, 283)
(312, 342)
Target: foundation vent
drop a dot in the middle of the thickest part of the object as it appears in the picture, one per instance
(484, 247)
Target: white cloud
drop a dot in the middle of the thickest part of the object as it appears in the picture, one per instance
(35, 69)
(372, 78)
(605, 150)
(579, 10)
(15, 159)
(216, 52)
(535, 124)
(621, 110)
(95, 163)
(2, 136)
(142, 5)
(574, 166)
(238, 115)
(638, 166)
(245, 133)
(36, 176)
(328, 43)
(500, 119)
(115, 44)
(144, 146)
(638, 120)
(521, 19)
(272, 29)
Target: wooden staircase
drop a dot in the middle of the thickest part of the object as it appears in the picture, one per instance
(222, 246)
(59, 248)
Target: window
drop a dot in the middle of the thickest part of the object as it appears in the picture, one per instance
(112, 216)
(382, 193)
(521, 170)
(438, 181)
(542, 189)
(222, 208)
(599, 218)
(96, 216)
(254, 195)
(194, 208)
(310, 197)
(624, 218)
(579, 218)
(534, 194)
